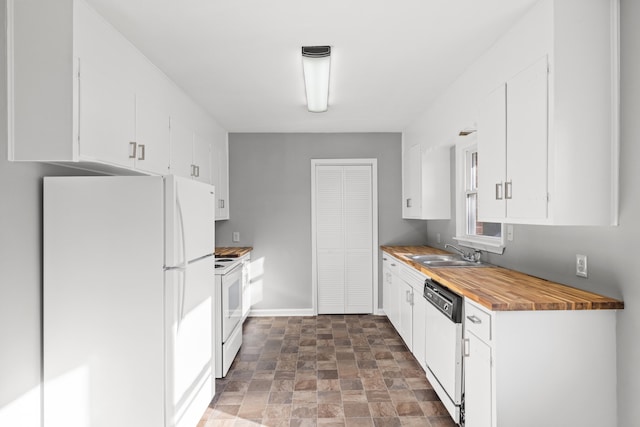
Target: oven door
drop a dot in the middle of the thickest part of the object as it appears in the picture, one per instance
(444, 353)
(231, 301)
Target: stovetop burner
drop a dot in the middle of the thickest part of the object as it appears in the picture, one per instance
(223, 265)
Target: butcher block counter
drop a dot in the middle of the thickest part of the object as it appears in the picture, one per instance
(232, 252)
(501, 289)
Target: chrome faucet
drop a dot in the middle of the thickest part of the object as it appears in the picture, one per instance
(471, 256)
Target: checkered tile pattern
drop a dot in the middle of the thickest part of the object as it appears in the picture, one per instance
(328, 370)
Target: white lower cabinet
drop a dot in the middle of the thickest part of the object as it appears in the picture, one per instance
(477, 374)
(405, 296)
(404, 304)
(540, 367)
(419, 319)
(246, 285)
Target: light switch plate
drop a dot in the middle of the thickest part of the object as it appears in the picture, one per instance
(235, 236)
(581, 265)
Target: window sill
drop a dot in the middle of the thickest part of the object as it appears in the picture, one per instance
(493, 245)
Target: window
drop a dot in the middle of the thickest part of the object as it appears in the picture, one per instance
(471, 232)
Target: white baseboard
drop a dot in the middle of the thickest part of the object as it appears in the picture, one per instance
(280, 312)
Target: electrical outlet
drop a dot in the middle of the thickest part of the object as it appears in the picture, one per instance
(581, 265)
(236, 236)
(439, 238)
(510, 232)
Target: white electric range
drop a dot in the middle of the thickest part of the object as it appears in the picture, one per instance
(227, 312)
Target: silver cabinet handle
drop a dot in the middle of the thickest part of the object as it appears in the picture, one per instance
(132, 150)
(393, 265)
(507, 189)
(499, 191)
(193, 170)
(142, 151)
(466, 349)
(409, 203)
(197, 171)
(221, 203)
(384, 259)
(406, 297)
(474, 319)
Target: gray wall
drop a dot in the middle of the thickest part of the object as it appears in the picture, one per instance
(549, 252)
(270, 200)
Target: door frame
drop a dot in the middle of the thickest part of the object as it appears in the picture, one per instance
(374, 223)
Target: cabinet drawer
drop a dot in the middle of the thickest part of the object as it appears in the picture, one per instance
(412, 276)
(477, 321)
(390, 263)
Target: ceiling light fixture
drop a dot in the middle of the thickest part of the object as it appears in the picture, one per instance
(316, 64)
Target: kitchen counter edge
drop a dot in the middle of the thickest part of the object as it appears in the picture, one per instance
(501, 289)
(232, 251)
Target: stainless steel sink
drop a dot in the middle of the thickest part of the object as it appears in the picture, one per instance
(445, 261)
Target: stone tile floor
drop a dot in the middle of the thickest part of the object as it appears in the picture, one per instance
(329, 370)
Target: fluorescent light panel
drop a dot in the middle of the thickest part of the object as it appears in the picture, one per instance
(316, 65)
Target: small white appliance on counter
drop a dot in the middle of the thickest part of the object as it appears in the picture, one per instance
(127, 301)
(227, 312)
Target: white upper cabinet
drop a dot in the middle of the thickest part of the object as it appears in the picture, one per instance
(100, 104)
(548, 136)
(512, 145)
(426, 182)
(220, 177)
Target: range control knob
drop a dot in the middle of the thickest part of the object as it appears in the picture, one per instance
(446, 306)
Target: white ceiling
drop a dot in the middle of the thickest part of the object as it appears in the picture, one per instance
(240, 59)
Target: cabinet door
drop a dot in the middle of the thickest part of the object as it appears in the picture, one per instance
(246, 287)
(394, 301)
(220, 174)
(181, 137)
(202, 158)
(152, 135)
(419, 321)
(526, 184)
(435, 196)
(106, 117)
(492, 140)
(412, 186)
(477, 383)
(405, 297)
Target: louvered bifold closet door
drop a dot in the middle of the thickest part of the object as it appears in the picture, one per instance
(344, 239)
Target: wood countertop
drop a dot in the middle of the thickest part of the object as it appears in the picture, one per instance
(232, 252)
(501, 289)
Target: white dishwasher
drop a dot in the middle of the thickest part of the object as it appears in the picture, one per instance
(443, 340)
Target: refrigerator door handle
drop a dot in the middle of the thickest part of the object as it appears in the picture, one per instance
(181, 228)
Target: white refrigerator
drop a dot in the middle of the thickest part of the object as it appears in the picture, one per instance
(127, 301)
